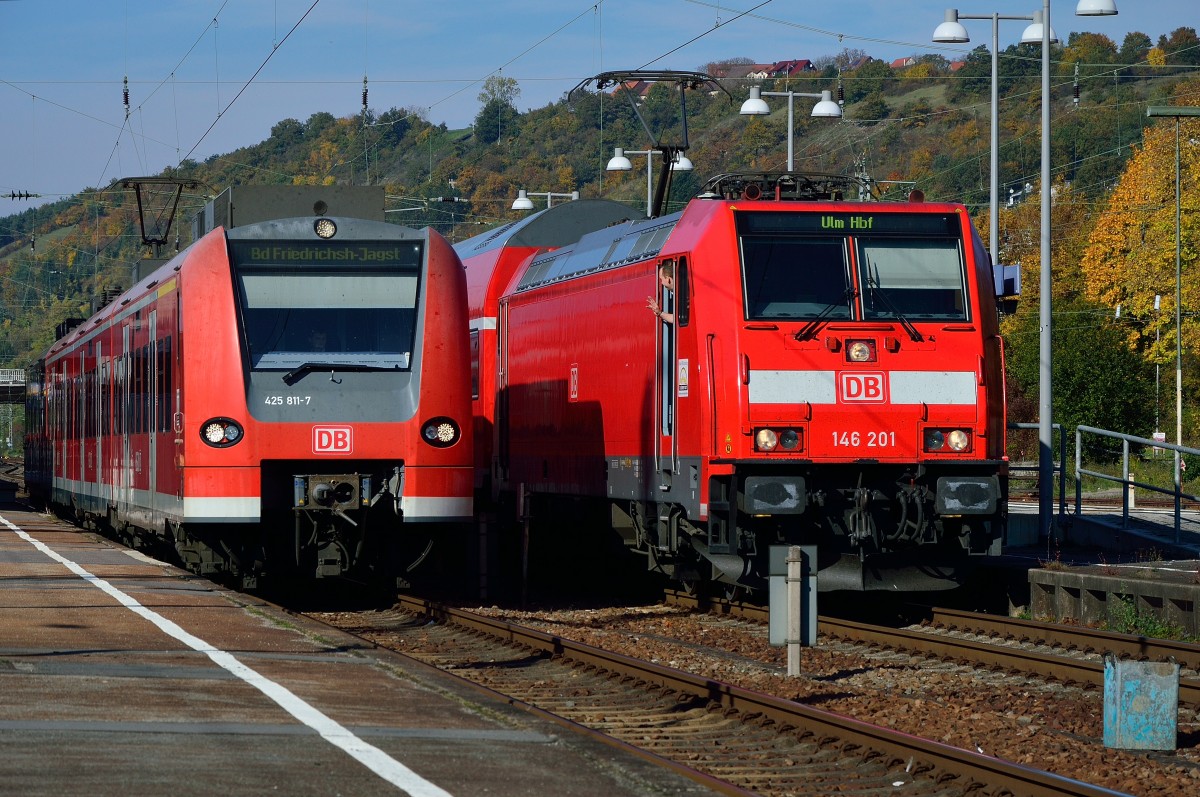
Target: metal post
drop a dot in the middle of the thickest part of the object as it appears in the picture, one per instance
(795, 587)
(994, 199)
(791, 132)
(1045, 392)
(649, 181)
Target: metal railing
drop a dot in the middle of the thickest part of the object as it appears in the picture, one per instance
(1126, 480)
(1060, 469)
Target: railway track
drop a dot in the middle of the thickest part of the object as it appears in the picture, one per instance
(735, 740)
(1068, 654)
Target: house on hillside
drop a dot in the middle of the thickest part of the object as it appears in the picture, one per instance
(793, 68)
(903, 63)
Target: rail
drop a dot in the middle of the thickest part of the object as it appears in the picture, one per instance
(1126, 480)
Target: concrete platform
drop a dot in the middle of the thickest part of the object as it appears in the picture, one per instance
(1108, 569)
(121, 675)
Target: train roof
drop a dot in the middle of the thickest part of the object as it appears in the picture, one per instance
(553, 227)
(601, 249)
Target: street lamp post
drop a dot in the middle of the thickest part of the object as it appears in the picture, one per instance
(951, 31)
(523, 202)
(620, 163)
(1176, 112)
(757, 106)
(1037, 32)
(1045, 395)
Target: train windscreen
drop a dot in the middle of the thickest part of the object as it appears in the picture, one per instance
(352, 303)
(867, 266)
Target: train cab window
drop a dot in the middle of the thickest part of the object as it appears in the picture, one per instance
(350, 304)
(795, 277)
(916, 279)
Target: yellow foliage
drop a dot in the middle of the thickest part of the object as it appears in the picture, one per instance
(1156, 57)
(1130, 257)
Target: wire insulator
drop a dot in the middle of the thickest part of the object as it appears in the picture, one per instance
(125, 96)
(364, 92)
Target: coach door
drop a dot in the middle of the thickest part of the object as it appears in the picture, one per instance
(151, 420)
(103, 482)
(665, 379)
(124, 483)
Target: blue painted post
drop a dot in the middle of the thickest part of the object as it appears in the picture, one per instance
(1141, 704)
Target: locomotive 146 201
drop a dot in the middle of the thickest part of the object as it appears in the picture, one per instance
(813, 371)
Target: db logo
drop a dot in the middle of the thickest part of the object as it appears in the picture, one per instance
(867, 387)
(333, 439)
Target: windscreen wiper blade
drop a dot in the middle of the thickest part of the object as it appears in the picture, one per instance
(810, 329)
(293, 376)
(877, 292)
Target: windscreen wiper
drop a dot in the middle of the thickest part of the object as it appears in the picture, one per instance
(877, 291)
(810, 329)
(293, 376)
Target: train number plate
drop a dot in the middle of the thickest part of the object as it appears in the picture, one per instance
(869, 439)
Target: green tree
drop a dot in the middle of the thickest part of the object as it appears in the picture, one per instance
(499, 111)
(1098, 379)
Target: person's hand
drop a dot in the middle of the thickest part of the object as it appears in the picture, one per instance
(652, 303)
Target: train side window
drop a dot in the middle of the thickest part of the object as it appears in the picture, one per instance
(683, 299)
(474, 363)
(164, 385)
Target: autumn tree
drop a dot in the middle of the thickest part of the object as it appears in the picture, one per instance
(1130, 258)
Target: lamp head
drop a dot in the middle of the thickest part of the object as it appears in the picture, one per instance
(1096, 8)
(827, 108)
(1033, 33)
(522, 202)
(756, 105)
(618, 162)
(951, 31)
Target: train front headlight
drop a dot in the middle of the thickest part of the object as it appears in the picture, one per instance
(220, 432)
(440, 432)
(766, 440)
(955, 440)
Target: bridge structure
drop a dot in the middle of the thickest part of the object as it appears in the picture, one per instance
(12, 386)
(12, 395)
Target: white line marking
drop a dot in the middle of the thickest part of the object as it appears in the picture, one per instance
(368, 755)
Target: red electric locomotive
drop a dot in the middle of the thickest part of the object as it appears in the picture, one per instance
(282, 399)
(821, 372)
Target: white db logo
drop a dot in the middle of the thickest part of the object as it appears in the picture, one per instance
(863, 387)
(333, 439)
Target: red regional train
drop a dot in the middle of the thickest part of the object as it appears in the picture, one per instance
(285, 399)
(826, 373)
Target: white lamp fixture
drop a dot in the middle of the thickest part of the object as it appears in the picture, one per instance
(757, 106)
(1095, 8)
(618, 162)
(951, 31)
(1033, 33)
(523, 202)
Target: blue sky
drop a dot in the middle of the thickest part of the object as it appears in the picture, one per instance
(193, 88)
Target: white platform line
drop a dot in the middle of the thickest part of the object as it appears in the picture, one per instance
(333, 732)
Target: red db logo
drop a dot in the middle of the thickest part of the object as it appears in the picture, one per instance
(333, 439)
(863, 387)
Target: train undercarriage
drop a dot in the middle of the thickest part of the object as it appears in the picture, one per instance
(919, 529)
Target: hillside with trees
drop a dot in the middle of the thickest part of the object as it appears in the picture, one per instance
(923, 126)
